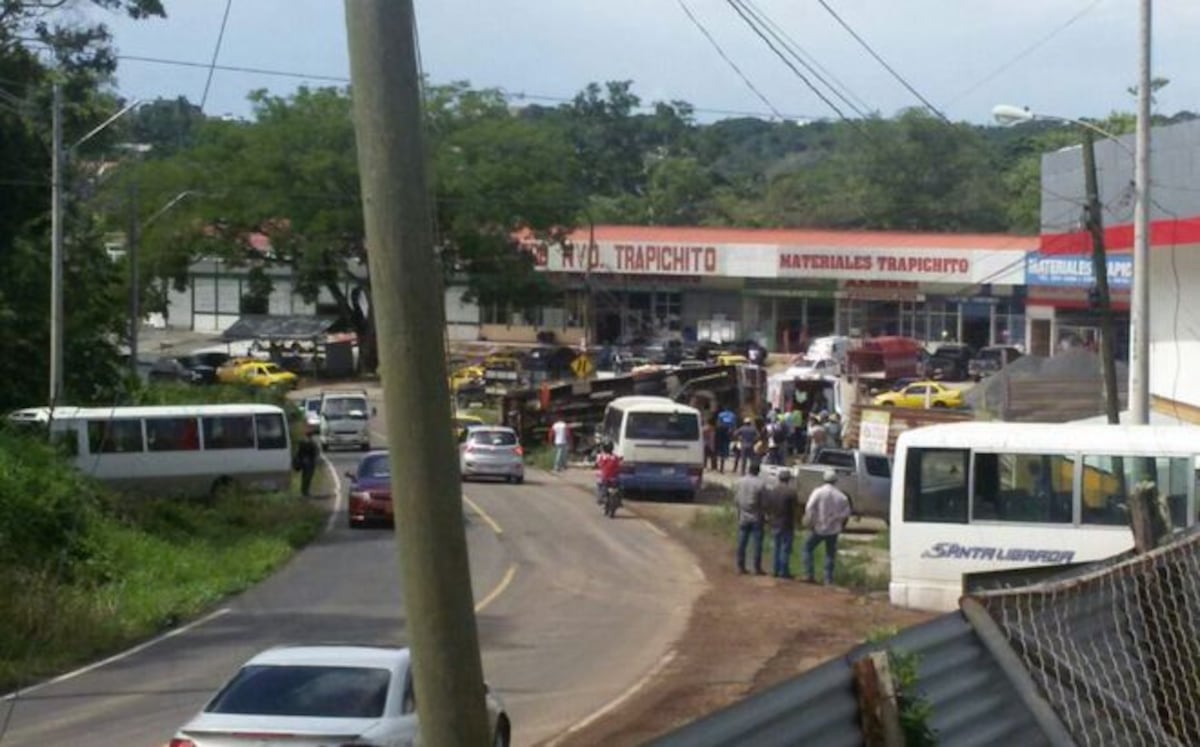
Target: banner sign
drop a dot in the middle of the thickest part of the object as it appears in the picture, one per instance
(1074, 271)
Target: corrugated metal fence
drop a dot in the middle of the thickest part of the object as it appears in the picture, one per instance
(973, 703)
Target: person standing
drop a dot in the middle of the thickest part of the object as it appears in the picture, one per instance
(726, 422)
(833, 431)
(746, 436)
(779, 506)
(825, 516)
(306, 460)
(748, 500)
(560, 436)
(710, 442)
(816, 436)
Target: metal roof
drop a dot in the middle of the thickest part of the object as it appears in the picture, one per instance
(265, 327)
(973, 703)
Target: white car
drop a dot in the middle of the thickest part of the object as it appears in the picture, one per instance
(314, 696)
(492, 451)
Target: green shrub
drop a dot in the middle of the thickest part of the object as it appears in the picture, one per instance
(46, 506)
(168, 393)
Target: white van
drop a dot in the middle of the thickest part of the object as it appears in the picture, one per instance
(659, 441)
(345, 419)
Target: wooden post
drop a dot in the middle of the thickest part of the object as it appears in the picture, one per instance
(877, 701)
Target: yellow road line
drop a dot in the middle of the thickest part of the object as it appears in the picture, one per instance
(483, 515)
(496, 592)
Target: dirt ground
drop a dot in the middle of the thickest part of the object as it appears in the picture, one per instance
(746, 634)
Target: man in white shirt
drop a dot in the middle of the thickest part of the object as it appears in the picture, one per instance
(560, 435)
(825, 515)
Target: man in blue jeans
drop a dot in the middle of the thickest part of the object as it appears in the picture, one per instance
(825, 515)
(748, 499)
(779, 504)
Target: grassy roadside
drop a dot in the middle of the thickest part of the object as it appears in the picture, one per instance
(85, 572)
(854, 570)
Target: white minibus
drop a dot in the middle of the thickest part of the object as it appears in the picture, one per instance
(971, 498)
(659, 441)
(173, 450)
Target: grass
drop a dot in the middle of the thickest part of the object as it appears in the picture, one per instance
(149, 565)
(852, 570)
(541, 457)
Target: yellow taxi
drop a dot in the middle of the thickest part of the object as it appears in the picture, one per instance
(464, 376)
(266, 375)
(230, 371)
(916, 394)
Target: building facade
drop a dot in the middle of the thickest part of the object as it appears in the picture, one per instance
(1174, 256)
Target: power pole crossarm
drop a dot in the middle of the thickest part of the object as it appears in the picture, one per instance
(409, 311)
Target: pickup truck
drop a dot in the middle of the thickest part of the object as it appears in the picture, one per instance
(865, 478)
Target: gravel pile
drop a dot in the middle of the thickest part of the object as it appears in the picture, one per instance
(1073, 365)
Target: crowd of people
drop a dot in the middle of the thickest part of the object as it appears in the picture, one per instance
(761, 505)
(777, 438)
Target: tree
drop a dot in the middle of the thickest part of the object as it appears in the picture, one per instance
(94, 318)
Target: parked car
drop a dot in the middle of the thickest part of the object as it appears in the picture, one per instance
(370, 497)
(201, 367)
(865, 478)
(492, 451)
(950, 361)
(267, 375)
(991, 359)
(310, 408)
(171, 370)
(317, 695)
(915, 395)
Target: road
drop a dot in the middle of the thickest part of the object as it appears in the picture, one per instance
(573, 610)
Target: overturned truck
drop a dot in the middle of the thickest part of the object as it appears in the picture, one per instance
(581, 403)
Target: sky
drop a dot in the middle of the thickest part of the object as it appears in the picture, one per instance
(1072, 58)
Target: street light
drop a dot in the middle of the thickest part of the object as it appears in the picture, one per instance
(1139, 306)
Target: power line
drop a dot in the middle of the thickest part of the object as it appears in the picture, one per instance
(506, 93)
(758, 32)
(216, 51)
(883, 62)
(765, 22)
(749, 84)
(804, 54)
(1026, 52)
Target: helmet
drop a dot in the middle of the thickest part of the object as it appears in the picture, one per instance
(606, 447)
(829, 476)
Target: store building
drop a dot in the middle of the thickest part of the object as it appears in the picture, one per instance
(782, 287)
(1057, 303)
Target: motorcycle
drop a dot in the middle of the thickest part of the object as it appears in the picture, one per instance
(612, 500)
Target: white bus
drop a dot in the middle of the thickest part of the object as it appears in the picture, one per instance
(980, 497)
(176, 449)
(660, 443)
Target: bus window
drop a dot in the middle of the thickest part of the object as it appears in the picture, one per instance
(172, 434)
(229, 432)
(271, 431)
(116, 436)
(935, 486)
(662, 426)
(1034, 488)
(1107, 481)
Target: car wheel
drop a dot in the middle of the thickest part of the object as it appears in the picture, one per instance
(888, 404)
(501, 737)
(519, 479)
(366, 446)
(939, 404)
(508, 479)
(354, 524)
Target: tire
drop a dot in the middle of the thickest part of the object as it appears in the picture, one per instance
(519, 479)
(366, 446)
(354, 524)
(940, 404)
(889, 404)
(500, 739)
(508, 479)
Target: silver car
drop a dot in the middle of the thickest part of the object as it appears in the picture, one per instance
(492, 451)
(312, 696)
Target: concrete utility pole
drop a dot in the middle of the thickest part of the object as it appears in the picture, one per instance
(1095, 225)
(1139, 304)
(56, 250)
(410, 314)
(134, 291)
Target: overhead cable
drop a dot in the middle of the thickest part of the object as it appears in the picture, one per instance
(749, 84)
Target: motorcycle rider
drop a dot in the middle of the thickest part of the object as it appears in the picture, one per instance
(608, 470)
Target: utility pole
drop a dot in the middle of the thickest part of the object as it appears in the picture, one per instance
(134, 291)
(388, 119)
(56, 250)
(1139, 302)
(1095, 225)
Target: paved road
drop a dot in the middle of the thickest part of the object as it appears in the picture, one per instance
(575, 610)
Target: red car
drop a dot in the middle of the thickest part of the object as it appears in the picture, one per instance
(370, 491)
